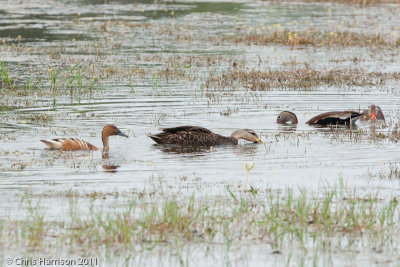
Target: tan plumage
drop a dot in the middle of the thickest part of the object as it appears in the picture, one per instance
(199, 136)
(68, 144)
(77, 144)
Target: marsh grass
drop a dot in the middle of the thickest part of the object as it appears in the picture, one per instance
(390, 172)
(314, 37)
(349, 218)
(74, 80)
(6, 81)
(296, 78)
(351, 2)
(367, 132)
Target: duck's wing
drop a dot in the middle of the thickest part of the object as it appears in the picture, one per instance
(188, 136)
(334, 118)
(379, 114)
(68, 144)
(186, 128)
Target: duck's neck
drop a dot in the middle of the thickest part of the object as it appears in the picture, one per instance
(231, 140)
(105, 143)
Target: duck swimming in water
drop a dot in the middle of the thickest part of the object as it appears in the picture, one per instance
(346, 117)
(287, 117)
(328, 118)
(199, 136)
(77, 144)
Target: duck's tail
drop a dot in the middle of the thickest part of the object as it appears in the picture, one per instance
(52, 144)
(156, 138)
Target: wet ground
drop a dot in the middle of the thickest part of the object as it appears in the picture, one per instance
(147, 66)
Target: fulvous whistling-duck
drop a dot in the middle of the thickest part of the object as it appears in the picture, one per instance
(77, 144)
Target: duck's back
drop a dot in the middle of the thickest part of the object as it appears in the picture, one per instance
(334, 118)
(68, 144)
(190, 135)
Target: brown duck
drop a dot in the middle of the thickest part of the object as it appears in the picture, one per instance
(335, 118)
(287, 117)
(199, 136)
(77, 144)
(327, 118)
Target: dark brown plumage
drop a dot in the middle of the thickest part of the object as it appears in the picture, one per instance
(335, 118)
(199, 136)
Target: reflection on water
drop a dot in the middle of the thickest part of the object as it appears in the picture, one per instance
(178, 149)
(287, 128)
(108, 166)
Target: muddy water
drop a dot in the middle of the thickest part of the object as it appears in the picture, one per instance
(145, 36)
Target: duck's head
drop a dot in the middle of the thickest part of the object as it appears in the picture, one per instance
(110, 130)
(373, 113)
(286, 117)
(246, 134)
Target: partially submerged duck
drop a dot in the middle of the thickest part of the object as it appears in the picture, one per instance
(199, 136)
(335, 118)
(287, 117)
(373, 113)
(328, 118)
(77, 144)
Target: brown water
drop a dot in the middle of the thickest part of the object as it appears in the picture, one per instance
(148, 37)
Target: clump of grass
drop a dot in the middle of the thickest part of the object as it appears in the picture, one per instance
(38, 118)
(53, 74)
(249, 167)
(314, 37)
(6, 81)
(394, 134)
(390, 173)
(78, 79)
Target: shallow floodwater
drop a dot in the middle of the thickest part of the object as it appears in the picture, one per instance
(145, 36)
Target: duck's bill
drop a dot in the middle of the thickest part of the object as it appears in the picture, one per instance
(258, 141)
(122, 134)
(373, 116)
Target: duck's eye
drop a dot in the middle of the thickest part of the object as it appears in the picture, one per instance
(279, 116)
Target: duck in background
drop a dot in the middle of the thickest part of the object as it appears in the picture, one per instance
(347, 117)
(372, 114)
(287, 117)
